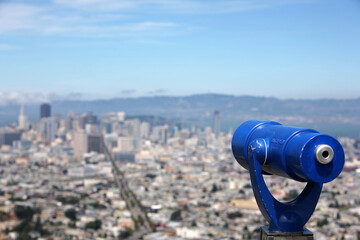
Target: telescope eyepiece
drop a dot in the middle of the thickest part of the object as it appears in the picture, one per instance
(324, 154)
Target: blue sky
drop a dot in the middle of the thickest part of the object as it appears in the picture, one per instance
(127, 48)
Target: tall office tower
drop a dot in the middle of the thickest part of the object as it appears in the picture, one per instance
(8, 137)
(23, 124)
(95, 142)
(79, 143)
(69, 122)
(45, 110)
(106, 127)
(135, 127)
(145, 130)
(164, 135)
(57, 117)
(80, 122)
(91, 123)
(216, 123)
(50, 129)
(156, 133)
(90, 118)
(84, 143)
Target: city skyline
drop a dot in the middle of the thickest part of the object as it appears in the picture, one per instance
(93, 50)
(114, 177)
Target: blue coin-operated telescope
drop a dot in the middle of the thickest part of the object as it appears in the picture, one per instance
(305, 155)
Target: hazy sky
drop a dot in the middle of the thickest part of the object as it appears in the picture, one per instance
(125, 48)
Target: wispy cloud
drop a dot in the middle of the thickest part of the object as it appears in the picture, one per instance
(113, 17)
(16, 97)
(99, 5)
(25, 97)
(176, 6)
(128, 92)
(18, 16)
(158, 91)
(33, 19)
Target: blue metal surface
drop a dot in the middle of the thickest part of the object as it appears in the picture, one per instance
(265, 147)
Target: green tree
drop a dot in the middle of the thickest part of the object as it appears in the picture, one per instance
(126, 233)
(72, 225)
(322, 222)
(233, 215)
(71, 214)
(214, 188)
(93, 225)
(24, 212)
(176, 215)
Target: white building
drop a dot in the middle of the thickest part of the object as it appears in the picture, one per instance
(23, 123)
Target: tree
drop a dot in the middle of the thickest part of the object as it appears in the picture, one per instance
(71, 214)
(322, 222)
(68, 200)
(94, 225)
(176, 215)
(247, 186)
(233, 215)
(98, 205)
(24, 212)
(193, 223)
(214, 188)
(72, 224)
(126, 233)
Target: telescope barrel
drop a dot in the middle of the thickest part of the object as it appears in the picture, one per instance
(297, 153)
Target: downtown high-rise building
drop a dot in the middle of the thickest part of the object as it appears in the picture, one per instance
(45, 110)
(84, 142)
(8, 137)
(145, 128)
(49, 129)
(216, 127)
(23, 123)
(69, 122)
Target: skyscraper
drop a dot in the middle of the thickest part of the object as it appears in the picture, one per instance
(23, 124)
(145, 130)
(50, 129)
(95, 142)
(69, 122)
(80, 143)
(45, 110)
(216, 123)
(8, 137)
(164, 135)
(85, 142)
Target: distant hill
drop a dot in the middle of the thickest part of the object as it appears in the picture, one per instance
(198, 109)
